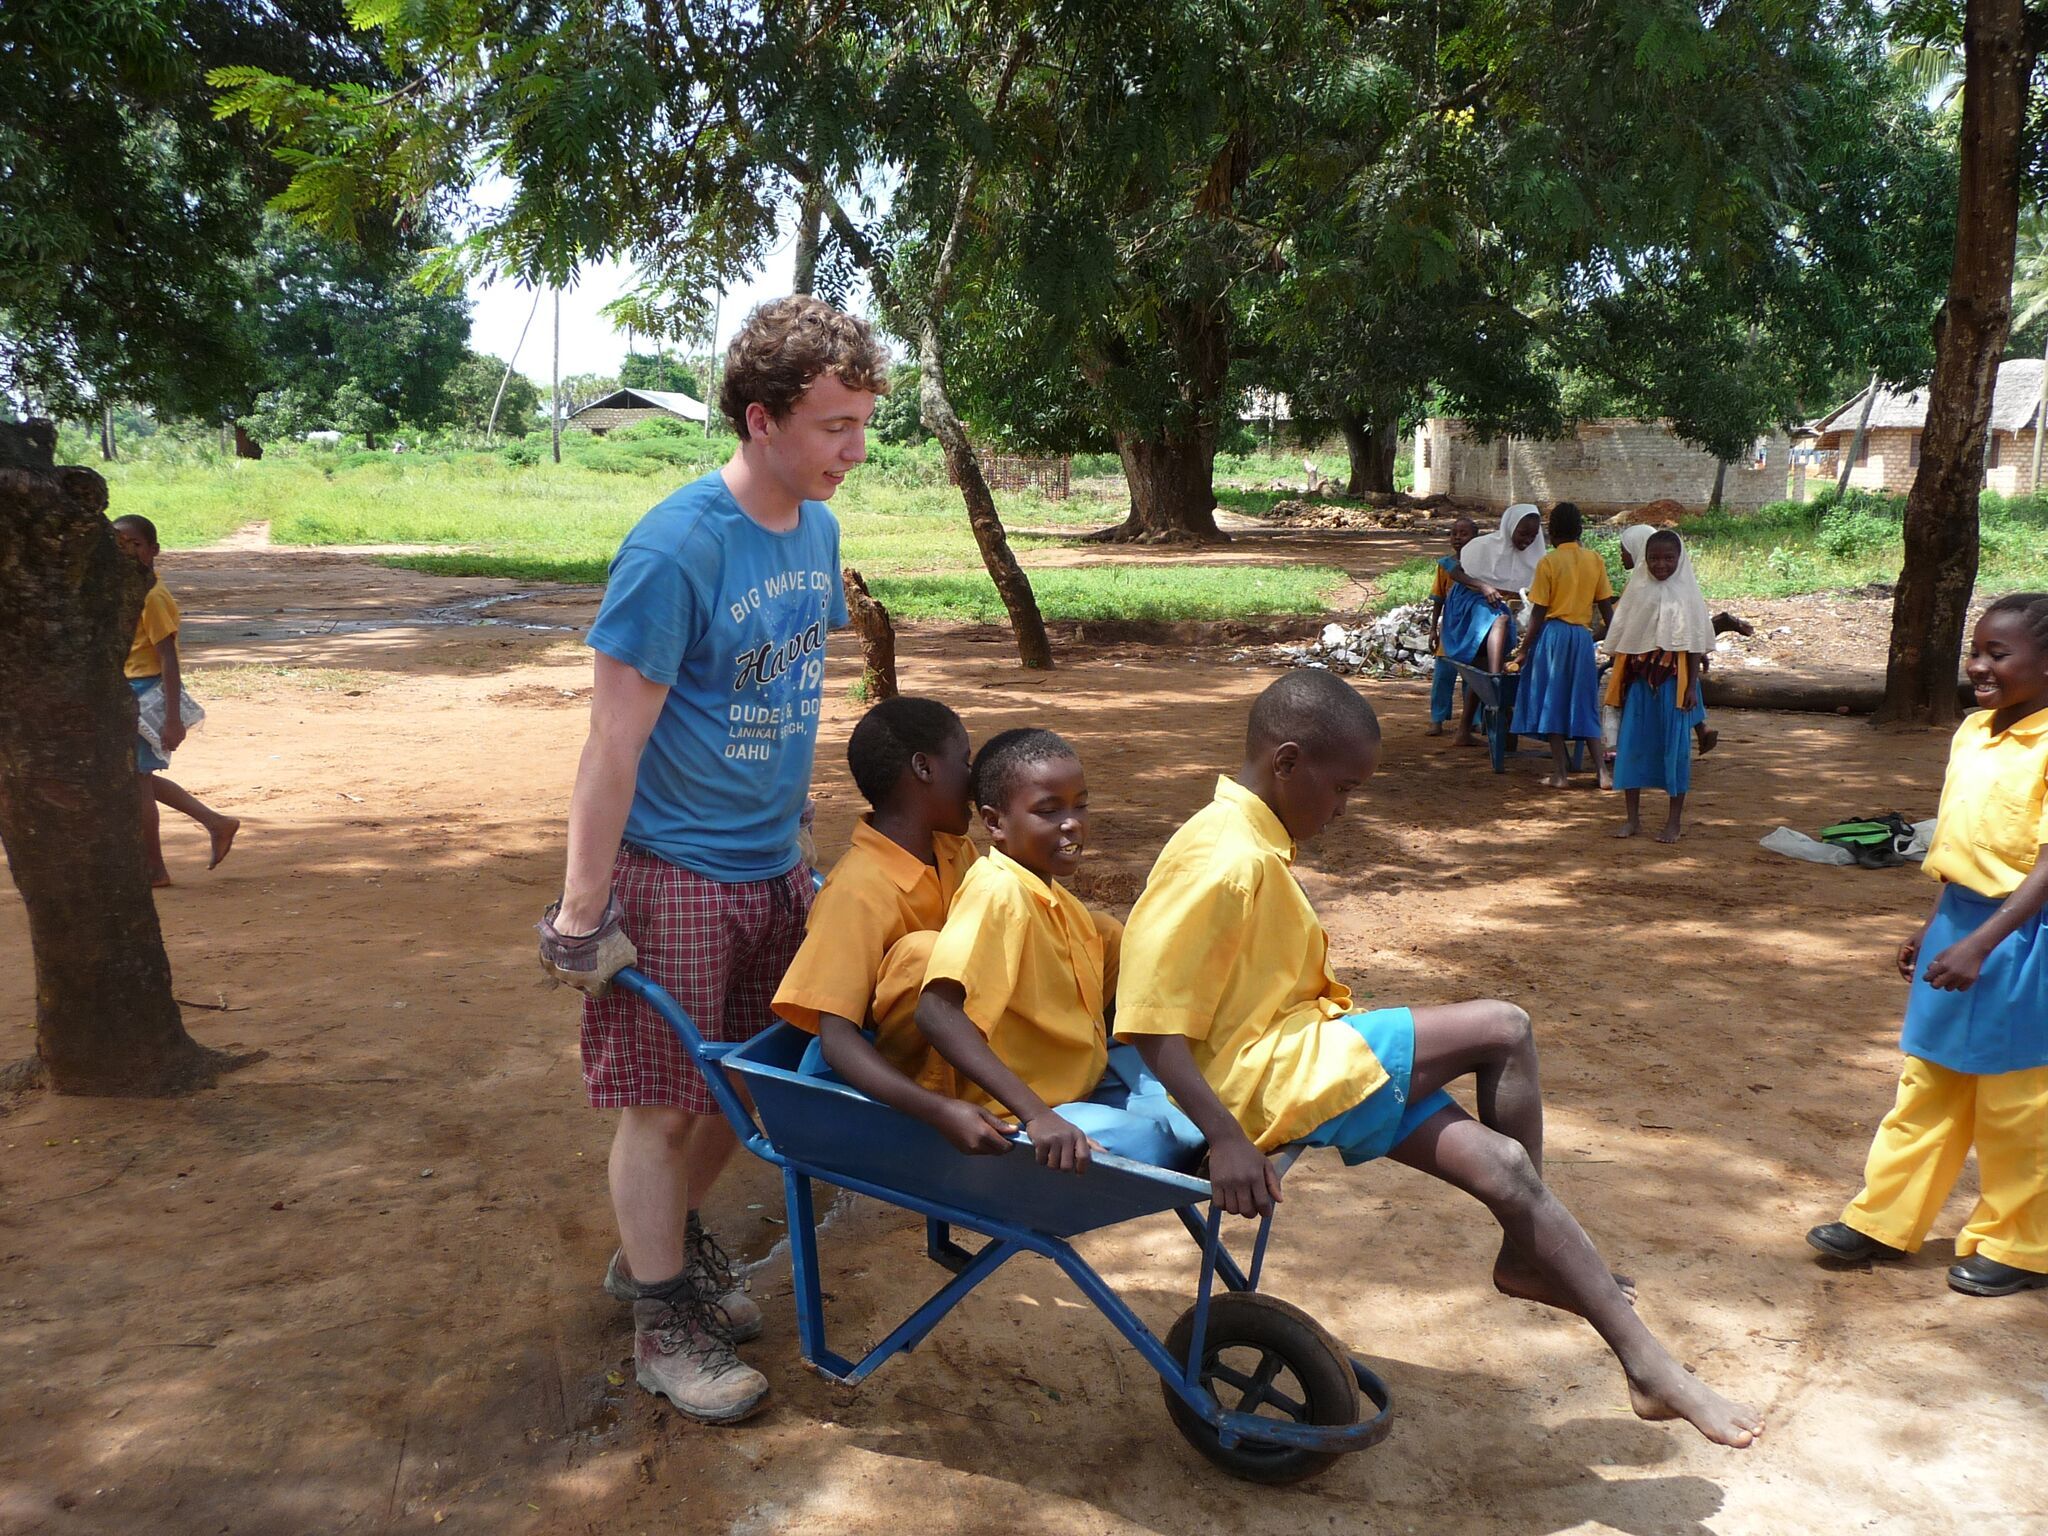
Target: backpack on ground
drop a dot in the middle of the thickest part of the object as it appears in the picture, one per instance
(1876, 842)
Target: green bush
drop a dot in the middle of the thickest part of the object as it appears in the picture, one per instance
(1851, 532)
(655, 427)
(521, 451)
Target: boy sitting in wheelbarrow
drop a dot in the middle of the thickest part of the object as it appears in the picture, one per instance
(1227, 992)
(1017, 988)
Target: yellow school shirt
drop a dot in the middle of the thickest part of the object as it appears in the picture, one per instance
(1569, 581)
(876, 894)
(1618, 678)
(159, 621)
(1030, 957)
(1224, 948)
(1994, 805)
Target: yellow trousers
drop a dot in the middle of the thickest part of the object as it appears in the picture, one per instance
(1920, 1148)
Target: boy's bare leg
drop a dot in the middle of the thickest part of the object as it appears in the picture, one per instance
(1496, 1170)
(1633, 800)
(709, 1149)
(1674, 823)
(220, 829)
(152, 832)
(1493, 1043)
(649, 1173)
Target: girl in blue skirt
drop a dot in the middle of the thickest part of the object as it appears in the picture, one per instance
(1976, 1035)
(1659, 640)
(1558, 697)
(1491, 575)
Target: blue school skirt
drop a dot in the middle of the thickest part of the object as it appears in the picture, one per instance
(1655, 747)
(1559, 694)
(1467, 619)
(1375, 1126)
(2001, 1023)
(147, 758)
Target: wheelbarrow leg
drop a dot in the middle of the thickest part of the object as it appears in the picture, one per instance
(803, 1267)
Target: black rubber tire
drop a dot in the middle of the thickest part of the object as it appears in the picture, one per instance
(1276, 1330)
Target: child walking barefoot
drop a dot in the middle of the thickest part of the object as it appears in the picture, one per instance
(1976, 1034)
(1559, 694)
(153, 666)
(1659, 639)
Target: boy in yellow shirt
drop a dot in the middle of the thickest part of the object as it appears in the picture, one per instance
(871, 928)
(1228, 994)
(1020, 978)
(152, 665)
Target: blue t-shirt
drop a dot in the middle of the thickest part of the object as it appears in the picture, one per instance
(733, 619)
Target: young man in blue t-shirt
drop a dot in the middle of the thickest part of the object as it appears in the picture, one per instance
(685, 820)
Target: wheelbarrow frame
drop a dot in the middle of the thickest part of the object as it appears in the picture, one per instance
(1495, 692)
(1003, 1240)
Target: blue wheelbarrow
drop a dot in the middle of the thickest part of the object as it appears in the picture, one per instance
(1254, 1384)
(1495, 692)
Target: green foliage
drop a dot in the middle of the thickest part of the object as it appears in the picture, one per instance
(471, 387)
(897, 418)
(666, 371)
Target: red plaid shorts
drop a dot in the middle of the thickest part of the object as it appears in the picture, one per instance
(717, 949)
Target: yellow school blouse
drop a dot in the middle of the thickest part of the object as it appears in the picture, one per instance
(1569, 581)
(1224, 948)
(158, 622)
(1994, 805)
(1031, 959)
(878, 892)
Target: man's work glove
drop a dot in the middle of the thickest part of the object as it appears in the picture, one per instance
(589, 961)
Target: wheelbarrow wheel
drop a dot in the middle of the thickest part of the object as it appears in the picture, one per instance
(1265, 1357)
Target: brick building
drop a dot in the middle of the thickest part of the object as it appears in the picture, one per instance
(1891, 445)
(1606, 466)
(626, 407)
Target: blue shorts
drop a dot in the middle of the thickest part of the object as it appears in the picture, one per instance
(1386, 1118)
(147, 758)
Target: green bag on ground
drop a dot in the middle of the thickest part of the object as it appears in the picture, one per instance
(1877, 842)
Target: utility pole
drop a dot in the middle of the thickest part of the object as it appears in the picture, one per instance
(1856, 442)
(2040, 425)
(555, 410)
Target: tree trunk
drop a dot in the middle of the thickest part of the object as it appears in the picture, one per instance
(1855, 448)
(1720, 484)
(105, 1019)
(1173, 490)
(107, 432)
(1172, 474)
(809, 221)
(877, 637)
(1372, 447)
(1933, 596)
(1034, 646)
(246, 447)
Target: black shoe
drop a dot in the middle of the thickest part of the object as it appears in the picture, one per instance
(1845, 1245)
(1979, 1276)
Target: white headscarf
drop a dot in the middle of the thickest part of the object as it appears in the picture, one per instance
(1658, 615)
(1493, 558)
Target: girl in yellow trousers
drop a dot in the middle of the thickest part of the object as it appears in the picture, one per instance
(1976, 1034)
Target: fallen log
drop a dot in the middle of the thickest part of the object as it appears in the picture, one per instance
(1825, 691)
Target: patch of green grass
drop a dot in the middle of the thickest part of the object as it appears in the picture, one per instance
(578, 570)
(1123, 592)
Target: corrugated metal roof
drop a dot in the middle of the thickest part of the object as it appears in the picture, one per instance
(672, 401)
(2013, 401)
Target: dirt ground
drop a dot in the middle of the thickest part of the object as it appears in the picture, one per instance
(355, 1288)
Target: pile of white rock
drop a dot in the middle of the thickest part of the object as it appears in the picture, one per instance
(1394, 644)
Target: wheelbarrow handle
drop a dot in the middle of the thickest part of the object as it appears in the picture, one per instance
(706, 1055)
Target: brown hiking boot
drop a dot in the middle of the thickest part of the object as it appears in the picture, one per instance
(678, 1355)
(735, 1311)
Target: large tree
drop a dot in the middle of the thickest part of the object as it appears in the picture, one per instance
(2003, 142)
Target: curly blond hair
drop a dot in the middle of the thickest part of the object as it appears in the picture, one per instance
(787, 343)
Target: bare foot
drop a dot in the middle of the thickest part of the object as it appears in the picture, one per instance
(1436, 728)
(159, 878)
(1709, 739)
(1672, 832)
(1629, 829)
(1464, 739)
(224, 838)
(1556, 781)
(1514, 1276)
(1688, 1398)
